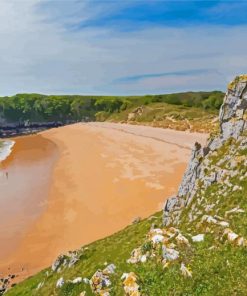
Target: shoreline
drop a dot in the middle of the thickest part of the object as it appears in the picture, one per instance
(23, 193)
(6, 147)
(134, 175)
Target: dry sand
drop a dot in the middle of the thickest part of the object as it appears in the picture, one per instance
(72, 185)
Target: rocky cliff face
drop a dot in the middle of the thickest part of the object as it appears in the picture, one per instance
(200, 173)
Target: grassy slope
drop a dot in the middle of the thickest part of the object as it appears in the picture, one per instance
(115, 248)
(218, 267)
(169, 116)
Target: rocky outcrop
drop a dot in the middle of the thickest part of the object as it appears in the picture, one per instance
(16, 128)
(6, 283)
(233, 114)
(233, 122)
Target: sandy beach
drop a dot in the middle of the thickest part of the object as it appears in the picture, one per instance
(69, 186)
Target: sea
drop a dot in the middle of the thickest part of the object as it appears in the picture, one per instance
(5, 149)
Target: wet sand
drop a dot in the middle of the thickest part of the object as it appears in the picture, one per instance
(25, 179)
(70, 186)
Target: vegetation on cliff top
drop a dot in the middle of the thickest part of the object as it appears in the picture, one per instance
(240, 78)
(37, 107)
(166, 115)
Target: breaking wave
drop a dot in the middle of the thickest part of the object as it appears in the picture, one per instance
(5, 149)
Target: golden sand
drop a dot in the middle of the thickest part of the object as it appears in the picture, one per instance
(82, 182)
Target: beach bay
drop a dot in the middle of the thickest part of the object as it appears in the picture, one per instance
(69, 186)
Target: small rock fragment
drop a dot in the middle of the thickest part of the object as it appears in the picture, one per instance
(100, 283)
(169, 254)
(136, 255)
(231, 236)
(110, 269)
(185, 271)
(223, 223)
(131, 287)
(60, 283)
(234, 211)
(158, 238)
(77, 280)
(40, 285)
(86, 281)
(209, 219)
(58, 262)
(136, 220)
(182, 239)
(198, 238)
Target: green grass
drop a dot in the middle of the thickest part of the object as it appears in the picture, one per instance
(167, 116)
(113, 249)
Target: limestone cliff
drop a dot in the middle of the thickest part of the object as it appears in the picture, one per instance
(233, 122)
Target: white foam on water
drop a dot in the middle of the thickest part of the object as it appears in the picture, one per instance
(6, 149)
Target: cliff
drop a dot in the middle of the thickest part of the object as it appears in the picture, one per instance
(232, 119)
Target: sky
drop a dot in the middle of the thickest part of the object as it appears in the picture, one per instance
(120, 47)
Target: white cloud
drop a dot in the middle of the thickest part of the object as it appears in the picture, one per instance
(39, 54)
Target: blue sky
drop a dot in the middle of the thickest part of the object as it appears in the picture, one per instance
(120, 47)
(172, 13)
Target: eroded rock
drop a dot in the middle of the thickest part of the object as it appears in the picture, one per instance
(131, 287)
(232, 120)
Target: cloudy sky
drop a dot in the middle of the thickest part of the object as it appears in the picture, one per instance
(120, 47)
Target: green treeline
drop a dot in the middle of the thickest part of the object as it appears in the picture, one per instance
(43, 108)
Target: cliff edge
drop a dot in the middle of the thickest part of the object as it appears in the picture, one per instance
(233, 123)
